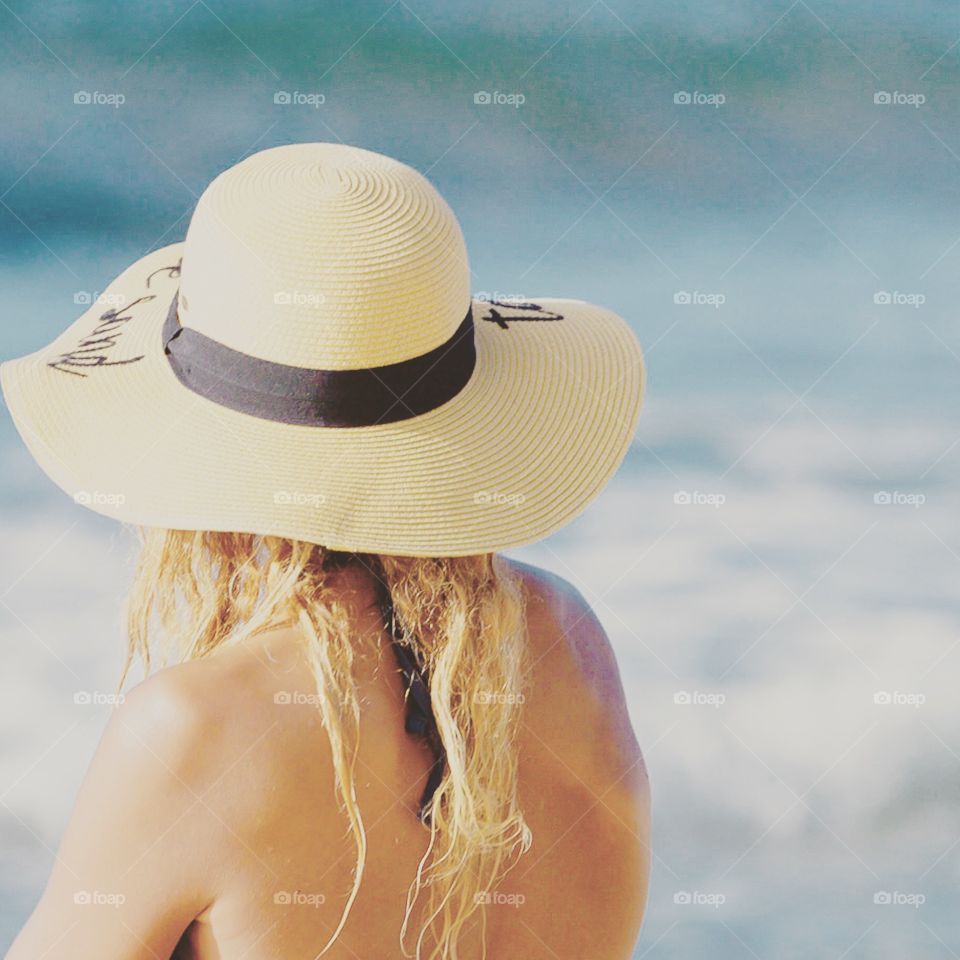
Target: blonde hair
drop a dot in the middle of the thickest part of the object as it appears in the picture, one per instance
(465, 617)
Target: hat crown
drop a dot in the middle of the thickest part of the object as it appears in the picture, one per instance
(325, 256)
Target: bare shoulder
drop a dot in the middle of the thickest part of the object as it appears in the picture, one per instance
(554, 598)
(566, 633)
(165, 715)
(145, 820)
(178, 703)
(198, 716)
(582, 729)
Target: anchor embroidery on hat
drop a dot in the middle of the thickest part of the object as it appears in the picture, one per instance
(494, 315)
(91, 351)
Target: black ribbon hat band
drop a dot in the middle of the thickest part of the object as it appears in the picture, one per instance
(322, 398)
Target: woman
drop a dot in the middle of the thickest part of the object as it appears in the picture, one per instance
(377, 737)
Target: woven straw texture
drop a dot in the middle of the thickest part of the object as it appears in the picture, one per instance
(331, 257)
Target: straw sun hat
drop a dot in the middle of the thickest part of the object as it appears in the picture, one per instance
(309, 363)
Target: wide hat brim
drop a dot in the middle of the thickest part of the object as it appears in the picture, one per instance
(541, 426)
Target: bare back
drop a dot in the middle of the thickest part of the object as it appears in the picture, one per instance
(257, 809)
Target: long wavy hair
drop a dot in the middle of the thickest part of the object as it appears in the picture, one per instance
(194, 591)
